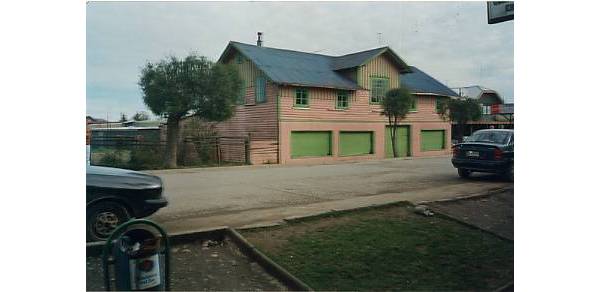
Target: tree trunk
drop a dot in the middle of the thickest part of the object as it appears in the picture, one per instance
(394, 147)
(172, 141)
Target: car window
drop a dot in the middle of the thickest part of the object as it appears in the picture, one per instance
(497, 137)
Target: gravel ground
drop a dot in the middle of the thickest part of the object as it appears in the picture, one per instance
(493, 213)
(209, 265)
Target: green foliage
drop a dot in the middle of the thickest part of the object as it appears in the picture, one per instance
(397, 103)
(461, 111)
(174, 88)
(146, 157)
(113, 158)
(141, 116)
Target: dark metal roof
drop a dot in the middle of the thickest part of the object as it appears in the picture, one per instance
(420, 82)
(295, 68)
(356, 59)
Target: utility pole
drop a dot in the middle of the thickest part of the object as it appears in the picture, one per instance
(379, 38)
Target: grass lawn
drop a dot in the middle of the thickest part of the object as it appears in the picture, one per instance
(387, 249)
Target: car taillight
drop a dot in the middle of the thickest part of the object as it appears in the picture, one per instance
(497, 154)
(455, 151)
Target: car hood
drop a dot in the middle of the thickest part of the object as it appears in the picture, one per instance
(117, 178)
(481, 144)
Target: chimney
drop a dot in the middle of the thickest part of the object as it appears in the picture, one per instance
(259, 41)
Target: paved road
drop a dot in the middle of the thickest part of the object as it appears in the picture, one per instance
(207, 192)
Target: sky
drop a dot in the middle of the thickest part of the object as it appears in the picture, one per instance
(450, 41)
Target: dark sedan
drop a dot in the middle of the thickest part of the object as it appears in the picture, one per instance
(490, 151)
(115, 195)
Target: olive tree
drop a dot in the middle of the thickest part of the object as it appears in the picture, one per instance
(396, 104)
(174, 88)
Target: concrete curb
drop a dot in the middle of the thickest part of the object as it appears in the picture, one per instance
(220, 234)
(269, 265)
(470, 196)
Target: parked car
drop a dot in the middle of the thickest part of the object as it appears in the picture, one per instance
(114, 195)
(490, 151)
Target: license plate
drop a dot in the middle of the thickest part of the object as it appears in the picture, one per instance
(472, 154)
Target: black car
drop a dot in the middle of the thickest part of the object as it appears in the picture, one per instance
(115, 195)
(490, 151)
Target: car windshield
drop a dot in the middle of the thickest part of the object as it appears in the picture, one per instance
(497, 137)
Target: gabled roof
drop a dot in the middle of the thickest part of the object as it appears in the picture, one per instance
(306, 69)
(420, 82)
(361, 58)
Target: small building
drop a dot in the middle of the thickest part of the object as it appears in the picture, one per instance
(495, 112)
(299, 107)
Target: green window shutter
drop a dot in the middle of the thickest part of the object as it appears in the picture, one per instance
(356, 143)
(310, 144)
(242, 95)
(432, 140)
(301, 98)
(342, 100)
(260, 89)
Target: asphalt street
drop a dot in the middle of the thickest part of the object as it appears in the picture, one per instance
(210, 192)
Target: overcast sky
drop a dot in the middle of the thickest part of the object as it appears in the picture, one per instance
(449, 40)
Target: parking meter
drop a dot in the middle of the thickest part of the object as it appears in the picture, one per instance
(141, 262)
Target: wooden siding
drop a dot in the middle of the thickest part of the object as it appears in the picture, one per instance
(381, 66)
(259, 123)
(248, 72)
(322, 107)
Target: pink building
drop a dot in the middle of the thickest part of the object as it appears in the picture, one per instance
(301, 107)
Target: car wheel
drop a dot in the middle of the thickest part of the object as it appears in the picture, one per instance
(103, 218)
(464, 173)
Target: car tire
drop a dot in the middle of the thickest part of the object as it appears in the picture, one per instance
(464, 173)
(103, 218)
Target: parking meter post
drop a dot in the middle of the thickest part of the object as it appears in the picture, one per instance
(136, 253)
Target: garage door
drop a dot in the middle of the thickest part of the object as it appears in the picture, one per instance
(310, 144)
(356, 143)
(432, 140)
(402, 141)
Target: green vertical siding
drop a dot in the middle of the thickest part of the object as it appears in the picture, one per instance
(356, 143)
(310, 144)
(432, 140)
(402, 141)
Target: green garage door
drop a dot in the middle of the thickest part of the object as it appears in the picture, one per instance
(402, 141)
(356, 143)
(432, 140)
(307, 144)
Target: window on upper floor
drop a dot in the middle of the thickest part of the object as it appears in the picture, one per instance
(413, 105)
(439, 103)
(379, 87)
(301, 99)
(341, 101)
(260, 89)
(239, 58)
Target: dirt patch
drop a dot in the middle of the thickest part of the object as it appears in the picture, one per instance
(218, 266)
(494, 213)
